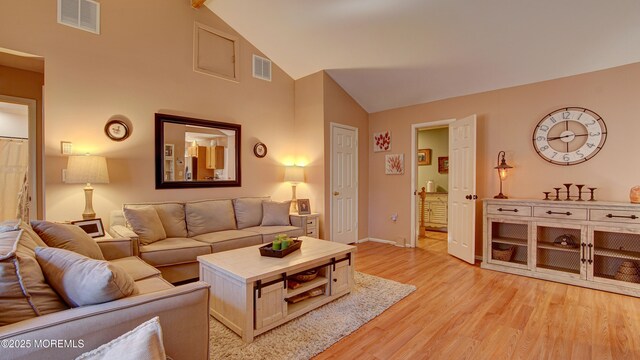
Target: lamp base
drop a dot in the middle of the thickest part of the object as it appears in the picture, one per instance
(500, 196)
(88, 203)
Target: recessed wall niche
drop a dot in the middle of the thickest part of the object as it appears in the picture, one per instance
(215, 53)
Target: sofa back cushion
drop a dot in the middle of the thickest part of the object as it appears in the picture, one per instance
(275, 213)
(24, 293)
(248, 211)
(67, 236)
(81, 280)
(145, 222)
(171, 216)
(209, 216)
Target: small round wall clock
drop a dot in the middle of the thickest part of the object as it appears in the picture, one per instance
(569, 136)
(260, 150)
(116, 130)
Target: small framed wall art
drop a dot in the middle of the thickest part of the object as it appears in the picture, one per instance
(381, 141)
(394, 164)
(93, 227)
(424, 157)
(443, 164)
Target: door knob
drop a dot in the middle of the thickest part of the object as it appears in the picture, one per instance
(468, 197)
(335, 193)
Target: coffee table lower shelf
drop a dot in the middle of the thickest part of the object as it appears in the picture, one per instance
(251, 299)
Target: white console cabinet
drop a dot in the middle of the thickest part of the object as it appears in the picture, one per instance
(601, 245)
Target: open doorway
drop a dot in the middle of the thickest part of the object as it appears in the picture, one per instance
(21, 134)
(432, 182)
(430, 179)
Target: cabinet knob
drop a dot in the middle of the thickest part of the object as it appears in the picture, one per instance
(335, 280)
(336, 193)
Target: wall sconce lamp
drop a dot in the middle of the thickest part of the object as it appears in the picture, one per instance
(502, 173)
(294, 175)
(87, 169)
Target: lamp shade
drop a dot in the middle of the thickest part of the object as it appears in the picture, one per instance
(85, 169)
(294, 174)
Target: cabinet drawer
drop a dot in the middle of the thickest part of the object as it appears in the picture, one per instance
(621, 216)
(513, 210)
(560, 213)
(312, 221)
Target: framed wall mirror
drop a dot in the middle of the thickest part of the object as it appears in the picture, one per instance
(194, 153)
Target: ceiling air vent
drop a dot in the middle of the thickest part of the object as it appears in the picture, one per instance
(80, 14)
(261, 68)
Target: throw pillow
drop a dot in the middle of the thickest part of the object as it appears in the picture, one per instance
(67, 236)
(24, 292)
(146, 223)
(275, 213)
(83, 281)
(142, 343)
(248, 211)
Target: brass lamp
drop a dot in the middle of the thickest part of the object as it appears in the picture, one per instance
(502, 173)
(294, 175)
(87, 169)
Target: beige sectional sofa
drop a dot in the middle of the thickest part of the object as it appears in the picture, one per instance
(171, 235)
(37, 324)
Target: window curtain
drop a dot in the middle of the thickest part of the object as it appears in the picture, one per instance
(14, 193)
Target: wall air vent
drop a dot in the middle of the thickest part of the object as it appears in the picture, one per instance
(80, 14)
(261, 68)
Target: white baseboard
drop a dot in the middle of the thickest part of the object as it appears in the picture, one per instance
(383, 241)
(364, 240)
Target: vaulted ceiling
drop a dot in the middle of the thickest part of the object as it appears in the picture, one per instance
(389, 54)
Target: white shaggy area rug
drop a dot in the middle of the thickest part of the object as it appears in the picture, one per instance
(312, 333)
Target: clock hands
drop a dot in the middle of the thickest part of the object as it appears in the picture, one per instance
(565, 136)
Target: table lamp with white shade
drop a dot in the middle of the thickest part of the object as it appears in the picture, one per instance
(294, 175)
(87, 169)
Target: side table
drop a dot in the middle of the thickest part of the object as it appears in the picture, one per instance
(309, 223)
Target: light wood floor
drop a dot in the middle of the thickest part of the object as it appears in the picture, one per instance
(460, 311)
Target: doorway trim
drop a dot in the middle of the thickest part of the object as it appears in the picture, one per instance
(333, 125)
(414, 167)
(35, 177)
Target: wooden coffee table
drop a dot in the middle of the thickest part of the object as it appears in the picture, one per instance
(249, 292)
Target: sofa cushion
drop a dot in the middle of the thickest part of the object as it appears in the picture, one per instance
(275, 213)
(81, 280)
(171, 216)
(248, 211)
(153, 284)
(145, 222)
(69, 237)
(230, 239)
(142, 343)
(136, 268)
(209, 216)
(269, 233)
(24, 292)
(173, 251)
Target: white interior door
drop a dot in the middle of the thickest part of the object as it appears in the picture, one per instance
(344, 184)
(462, 188)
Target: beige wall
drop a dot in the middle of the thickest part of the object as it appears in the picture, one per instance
(506, 119)
(142, 64)
(28, 85)
(309, 141)
(340, 108)
(319, 101)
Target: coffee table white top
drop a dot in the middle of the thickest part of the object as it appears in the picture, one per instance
(246, 264)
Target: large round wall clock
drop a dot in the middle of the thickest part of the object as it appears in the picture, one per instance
(569, 136)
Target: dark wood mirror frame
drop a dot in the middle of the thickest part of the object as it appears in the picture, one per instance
(161, 120)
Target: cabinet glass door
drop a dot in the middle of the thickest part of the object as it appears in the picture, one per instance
(615, 257)
(509, 243)
(558, 249)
